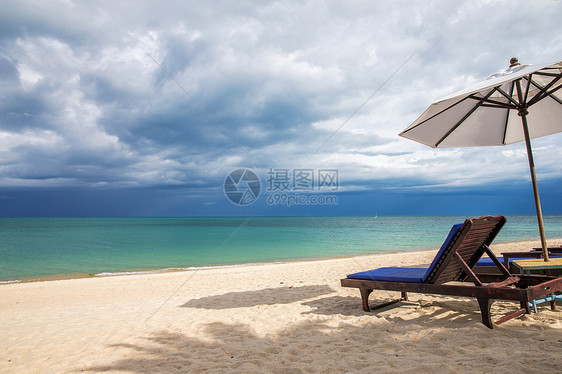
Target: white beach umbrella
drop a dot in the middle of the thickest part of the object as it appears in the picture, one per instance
(522, 103)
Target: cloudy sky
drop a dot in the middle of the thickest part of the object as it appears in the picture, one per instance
(117, 108)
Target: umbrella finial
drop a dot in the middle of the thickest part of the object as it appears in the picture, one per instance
(514, 62)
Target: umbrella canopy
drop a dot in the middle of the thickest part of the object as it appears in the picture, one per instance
(521, 103)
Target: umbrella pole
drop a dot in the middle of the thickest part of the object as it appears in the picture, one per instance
(523, 114)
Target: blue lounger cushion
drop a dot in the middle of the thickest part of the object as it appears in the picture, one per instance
(408, 275)
(444, 246)
(487, 261)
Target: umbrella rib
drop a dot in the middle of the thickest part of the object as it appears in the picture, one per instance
(465, 117)
(433, 116)
(493, 103)
(546, 74)
(544, 91)
(554, 97)
(497, 106)
(508, 97)
(507, 118)
(529, 79)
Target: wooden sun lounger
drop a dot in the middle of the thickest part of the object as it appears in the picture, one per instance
(552, 250)
(486, 266)
(454, 262)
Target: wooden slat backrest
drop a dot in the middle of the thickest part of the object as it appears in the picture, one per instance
(469, 244)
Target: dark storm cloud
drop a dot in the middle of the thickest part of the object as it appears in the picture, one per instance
(180, 93)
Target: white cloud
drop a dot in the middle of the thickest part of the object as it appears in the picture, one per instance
(257, 85)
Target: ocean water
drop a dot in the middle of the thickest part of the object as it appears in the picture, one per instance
(46, 247)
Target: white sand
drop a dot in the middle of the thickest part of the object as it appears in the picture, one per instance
(282, 318)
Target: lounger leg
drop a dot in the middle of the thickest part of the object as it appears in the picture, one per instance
(525, 305)
(365, 298)
(485, 305)
(553, 303)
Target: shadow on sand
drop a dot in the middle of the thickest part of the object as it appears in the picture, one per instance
(440, 336)
(268, 296)
(390, 345)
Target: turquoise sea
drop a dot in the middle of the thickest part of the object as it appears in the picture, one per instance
(52, 247)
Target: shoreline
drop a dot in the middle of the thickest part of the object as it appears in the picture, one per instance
(288, 317)
(132, 272)
(146, 271)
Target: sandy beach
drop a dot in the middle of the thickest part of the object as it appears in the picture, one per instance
(282, 318)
